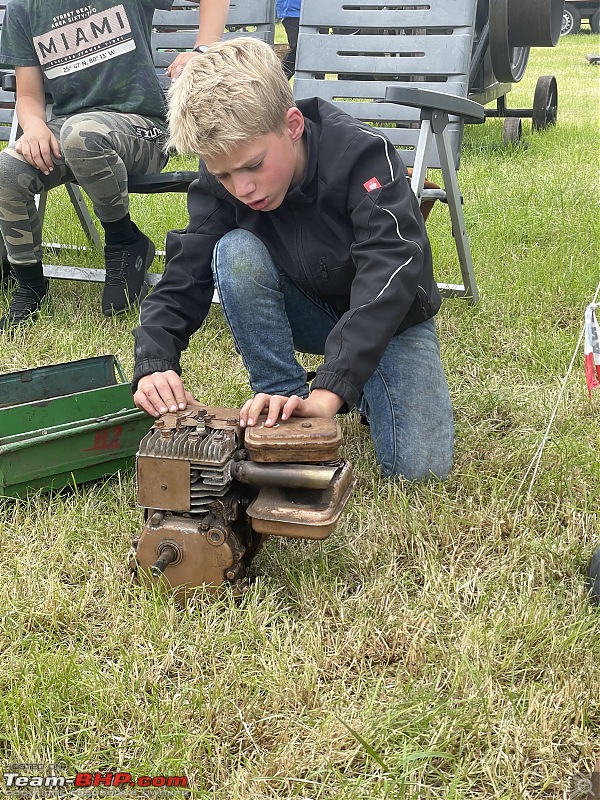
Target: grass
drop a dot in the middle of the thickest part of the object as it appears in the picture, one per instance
(440, 643)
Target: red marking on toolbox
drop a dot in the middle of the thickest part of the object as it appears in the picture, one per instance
(107, 439)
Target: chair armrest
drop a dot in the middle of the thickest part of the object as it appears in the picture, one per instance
(9, 82)
(177, 181)
(435, 101)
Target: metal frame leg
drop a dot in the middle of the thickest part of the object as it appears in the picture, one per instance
(468, 289)
(83, 214)
(459, 230)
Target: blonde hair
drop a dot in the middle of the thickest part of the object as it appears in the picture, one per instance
(232, 93)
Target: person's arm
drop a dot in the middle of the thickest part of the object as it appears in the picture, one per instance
(392, 258)
(213, 16)
(37, 144)
(177, 307)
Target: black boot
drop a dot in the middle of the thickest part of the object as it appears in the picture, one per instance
(126, 274)
(27, 297)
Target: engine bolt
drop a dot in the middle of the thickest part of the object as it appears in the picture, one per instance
(215, 536)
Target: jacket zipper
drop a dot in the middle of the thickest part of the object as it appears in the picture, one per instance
(299, 249)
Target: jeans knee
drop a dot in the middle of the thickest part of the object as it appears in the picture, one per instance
(241, 262)
(418, 471)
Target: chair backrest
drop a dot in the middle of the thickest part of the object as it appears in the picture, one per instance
(348, 53)
(7, 99)
(176, 30)
(7, 112)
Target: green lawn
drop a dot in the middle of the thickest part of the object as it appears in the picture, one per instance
(439, 644)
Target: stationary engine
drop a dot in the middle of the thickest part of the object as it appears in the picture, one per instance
(214, 491)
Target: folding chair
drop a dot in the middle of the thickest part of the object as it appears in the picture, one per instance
(405, 70)
(173, 31)
(7, 100)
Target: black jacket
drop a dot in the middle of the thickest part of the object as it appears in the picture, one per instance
(351, 232)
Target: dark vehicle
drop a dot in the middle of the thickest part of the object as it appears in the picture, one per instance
(576, 11)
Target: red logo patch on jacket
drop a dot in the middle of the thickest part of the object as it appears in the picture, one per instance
(372, 184)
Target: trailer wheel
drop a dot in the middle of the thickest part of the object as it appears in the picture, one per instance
(512, 131)
(595, 21)
(571, 21)
(508, 62)
(545, 103)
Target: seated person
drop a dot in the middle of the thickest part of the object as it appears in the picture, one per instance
(304, 220)
(108, 122)
(288, 11)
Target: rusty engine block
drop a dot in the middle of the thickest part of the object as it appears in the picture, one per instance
(214, 491)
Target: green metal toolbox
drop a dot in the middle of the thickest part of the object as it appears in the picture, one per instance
(65, 424)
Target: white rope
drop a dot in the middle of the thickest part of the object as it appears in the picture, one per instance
(536, 460)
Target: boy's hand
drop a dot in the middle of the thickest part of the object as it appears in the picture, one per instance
(37, 145)
(161, 392)
(175, 68)
(320, 403)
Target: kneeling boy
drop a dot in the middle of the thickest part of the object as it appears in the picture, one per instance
(303, 219)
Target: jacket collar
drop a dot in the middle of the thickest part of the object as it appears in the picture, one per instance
(306, 191)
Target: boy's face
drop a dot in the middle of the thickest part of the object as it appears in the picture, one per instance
(259, 172)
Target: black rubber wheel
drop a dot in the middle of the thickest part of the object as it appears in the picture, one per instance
(512, 132)
(595, 21)
(508, 63)
(594, 577)
(571, 21)
(534, 23)
(545, 103)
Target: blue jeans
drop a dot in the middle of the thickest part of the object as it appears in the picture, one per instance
(406, 400)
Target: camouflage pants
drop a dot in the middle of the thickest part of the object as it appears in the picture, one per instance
(99, 149)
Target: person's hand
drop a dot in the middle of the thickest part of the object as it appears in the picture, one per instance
(320, 403)
(161, 392)
(37, 145)
(175, 68)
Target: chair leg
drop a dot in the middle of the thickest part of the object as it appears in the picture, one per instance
(459, 230)
(85, 219)
(83, 214)
(426, 136)
(417, 180)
